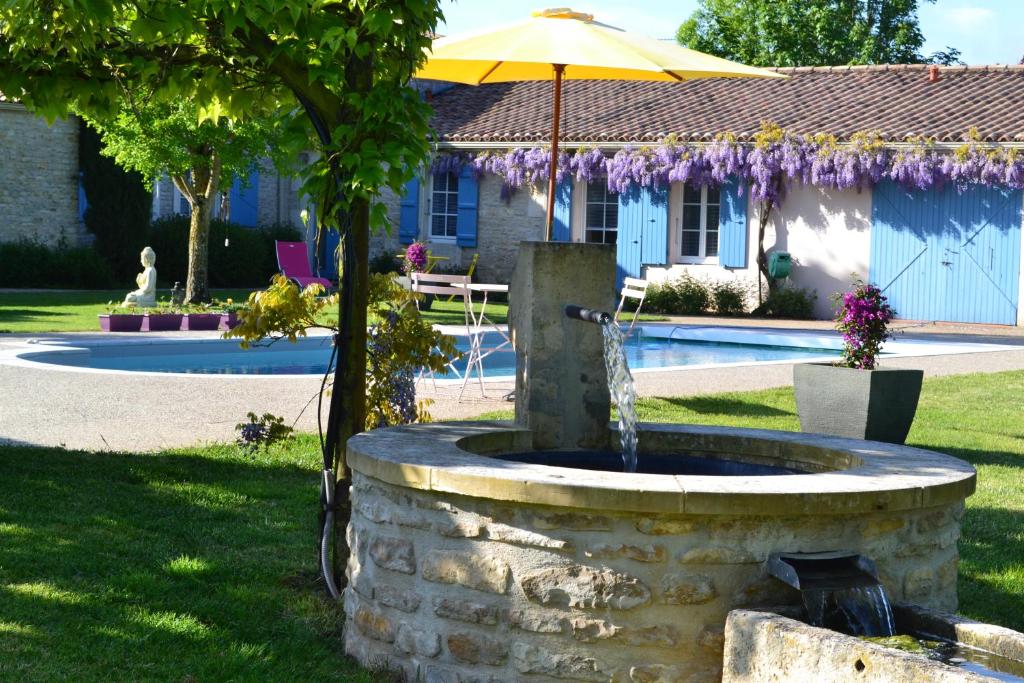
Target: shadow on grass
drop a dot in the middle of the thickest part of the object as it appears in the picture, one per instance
(11, 315)
(716, 405)
(161, 567)
(991, 584)
(976, 457)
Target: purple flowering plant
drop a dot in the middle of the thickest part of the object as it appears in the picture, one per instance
(862, 316)
(415, 258)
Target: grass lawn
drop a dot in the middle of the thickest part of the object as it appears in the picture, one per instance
(198, 564)
(32, 312)
(191, 565)
(35, 312)
(978, 418)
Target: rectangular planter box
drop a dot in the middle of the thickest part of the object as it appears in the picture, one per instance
(228, 320)
(162, 322)
(201, 321)
(121, 322)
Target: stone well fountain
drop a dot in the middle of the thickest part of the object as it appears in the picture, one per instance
(469, 567)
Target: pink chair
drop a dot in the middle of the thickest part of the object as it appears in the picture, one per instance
(293, 261)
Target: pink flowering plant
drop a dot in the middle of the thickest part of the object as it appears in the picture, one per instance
(863, 316)
(415, 258)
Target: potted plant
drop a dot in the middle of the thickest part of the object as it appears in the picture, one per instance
(200, 318)
(854, 398)
(415, 261)
(120, 318)
(164, 318)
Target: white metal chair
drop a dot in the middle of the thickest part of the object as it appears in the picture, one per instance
(441, 285)
(632, 288)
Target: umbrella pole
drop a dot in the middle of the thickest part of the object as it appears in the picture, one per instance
(553, 168)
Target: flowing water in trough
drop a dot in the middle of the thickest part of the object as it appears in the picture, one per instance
(855, 610)
(620, 385)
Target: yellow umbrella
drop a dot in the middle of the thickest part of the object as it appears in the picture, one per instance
(560, 43)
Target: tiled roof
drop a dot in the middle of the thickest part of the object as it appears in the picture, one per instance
(898, 101)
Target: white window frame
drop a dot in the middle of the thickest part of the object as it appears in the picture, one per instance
(702, 258)
(430, 190)
(609, 197)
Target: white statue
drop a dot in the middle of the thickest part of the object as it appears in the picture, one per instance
(145, 295)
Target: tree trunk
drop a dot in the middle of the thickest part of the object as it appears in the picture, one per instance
(200, 192)
(197, 288)
(762, 258)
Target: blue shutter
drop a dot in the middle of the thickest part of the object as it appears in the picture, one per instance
(732, 225)
(245, 201)
(465, 221)
(562, 228)
(409, 213)
(643, 231)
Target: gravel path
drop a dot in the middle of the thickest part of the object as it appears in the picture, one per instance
(143, 413)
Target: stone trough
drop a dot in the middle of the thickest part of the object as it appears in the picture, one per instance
(468, 567)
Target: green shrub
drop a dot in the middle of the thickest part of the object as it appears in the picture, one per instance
(730, 297)
(249, 260)
(29, 264)
(119, 207)
(790, 302)
(385, 262)
(683, 295)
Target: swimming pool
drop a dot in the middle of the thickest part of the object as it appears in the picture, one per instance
(310, 356)
(654, 347)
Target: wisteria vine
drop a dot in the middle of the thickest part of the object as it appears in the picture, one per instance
(767, 167)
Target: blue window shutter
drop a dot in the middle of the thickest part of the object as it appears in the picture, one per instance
(409, 213)
(465, 222)
(245, 201)
(654, 229)
(562, 228)
(643, 231)
(732, 226)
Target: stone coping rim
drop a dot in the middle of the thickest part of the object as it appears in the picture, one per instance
(885, 477)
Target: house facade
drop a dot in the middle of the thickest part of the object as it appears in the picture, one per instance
(39, 195)
(42, 201)
(949, 252)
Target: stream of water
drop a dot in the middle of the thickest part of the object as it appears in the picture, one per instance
(855, 610)
(620, 385)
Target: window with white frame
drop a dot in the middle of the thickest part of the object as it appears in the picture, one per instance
(444, 206)
(602, 214)
(698, 237)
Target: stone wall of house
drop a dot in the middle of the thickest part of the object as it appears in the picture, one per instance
(501, 226)
(39, 179)
(452, 589)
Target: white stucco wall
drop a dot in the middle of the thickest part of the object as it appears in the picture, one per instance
(828, 232)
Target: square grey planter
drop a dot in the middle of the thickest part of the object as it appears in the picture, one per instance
(877, 405)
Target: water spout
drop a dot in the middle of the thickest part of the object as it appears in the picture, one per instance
(840, 591)
(587, 315)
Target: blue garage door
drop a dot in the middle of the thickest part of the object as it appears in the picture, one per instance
(944, 255)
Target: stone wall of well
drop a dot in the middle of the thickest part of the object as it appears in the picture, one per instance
(39, 179)
(452, 589)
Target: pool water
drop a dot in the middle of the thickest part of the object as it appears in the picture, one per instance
(310, 356)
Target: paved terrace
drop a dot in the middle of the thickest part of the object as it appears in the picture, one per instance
(57, 407)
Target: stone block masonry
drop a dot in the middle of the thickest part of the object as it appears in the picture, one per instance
(465, 568)
(38, 178)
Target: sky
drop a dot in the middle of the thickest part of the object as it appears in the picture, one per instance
(985, 31)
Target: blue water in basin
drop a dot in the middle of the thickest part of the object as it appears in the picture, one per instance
(310, 356)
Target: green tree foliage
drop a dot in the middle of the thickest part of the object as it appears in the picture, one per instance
(346, 65)
(810, 32)
(157, 139)
(119, 206)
